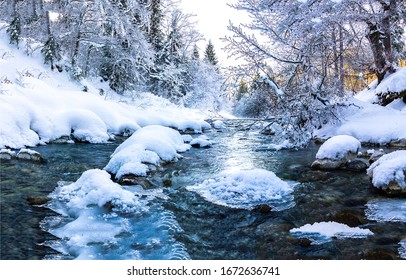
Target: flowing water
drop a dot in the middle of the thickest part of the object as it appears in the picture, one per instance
(179, 223)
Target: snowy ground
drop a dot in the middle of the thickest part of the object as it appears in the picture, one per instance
(38, 105)
(371, 123)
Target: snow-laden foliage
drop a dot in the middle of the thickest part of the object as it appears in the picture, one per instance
(134, 45)
(305, 50)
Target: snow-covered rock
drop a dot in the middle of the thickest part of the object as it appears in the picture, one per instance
(323, 232)
(247, 189)
(148, 145)
(389, 172)
(218, 124)
(7, 154)
(27, 154)
(201, 142)
(336, 152)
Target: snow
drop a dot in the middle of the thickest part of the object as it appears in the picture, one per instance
(38, 105)
(149, 144)
(202, 142)
(369, 123)
(389, 168)
(246, 189)
(386, 210)
(94, 187)
(322, 232)
(338, 147)
(218, 124)
(103, 220)
(402, 249)
(395, 82)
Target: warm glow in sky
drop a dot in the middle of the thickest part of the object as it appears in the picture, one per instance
(213, 17)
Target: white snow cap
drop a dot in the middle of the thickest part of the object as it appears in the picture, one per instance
(149, 144)
(246, 189)
(338, 147)
(322, 232)
(389, 168)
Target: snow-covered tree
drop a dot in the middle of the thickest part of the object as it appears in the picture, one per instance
(302, 50)
(210, 54)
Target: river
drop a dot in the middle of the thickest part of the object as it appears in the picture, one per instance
(194, 227)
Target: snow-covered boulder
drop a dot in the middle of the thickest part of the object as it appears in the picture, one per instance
(201, 142)
(7, 154)
(27, 154)
(147, 147)
(336, 152)
(218, 124)
(389, 172)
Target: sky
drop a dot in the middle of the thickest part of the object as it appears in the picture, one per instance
(213, 17)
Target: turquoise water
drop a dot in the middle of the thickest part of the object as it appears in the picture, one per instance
(184, 224)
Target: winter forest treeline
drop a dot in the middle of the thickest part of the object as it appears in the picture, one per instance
(297, 56)
(143, 45)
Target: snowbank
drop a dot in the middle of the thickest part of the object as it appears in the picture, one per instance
(390, 168)
(149, 144)
(247, 189)
(369, 123)
(320, 233)
(386, 210)
(338, 147)
(38, 105)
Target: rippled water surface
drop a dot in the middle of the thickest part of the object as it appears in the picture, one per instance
(207, 230)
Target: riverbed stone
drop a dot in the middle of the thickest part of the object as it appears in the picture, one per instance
(7, 154)
(134, 180)
(30, 155)
(356, 165)
(38, 200)
(328, 164)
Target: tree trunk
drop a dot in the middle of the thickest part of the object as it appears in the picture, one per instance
(380, 39)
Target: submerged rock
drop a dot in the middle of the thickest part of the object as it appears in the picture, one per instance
(356, 165)
(38, 200)
(328, 164)
(134, 180)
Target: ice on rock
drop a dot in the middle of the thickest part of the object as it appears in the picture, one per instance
(322, 232)
(246, 189)
(386, 210)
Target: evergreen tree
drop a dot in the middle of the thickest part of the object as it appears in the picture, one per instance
(210, 54)
(14, 30)
(51, 51)
(195, 55)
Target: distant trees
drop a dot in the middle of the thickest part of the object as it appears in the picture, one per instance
(131, 44)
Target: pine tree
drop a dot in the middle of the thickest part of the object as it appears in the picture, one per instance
(195, 55)
(210, 54)
(14, 30)
(51, 51)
